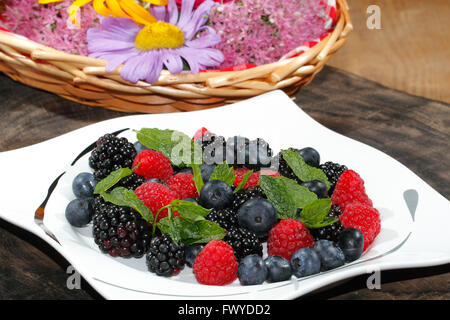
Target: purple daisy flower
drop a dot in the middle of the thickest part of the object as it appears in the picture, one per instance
(144, 50)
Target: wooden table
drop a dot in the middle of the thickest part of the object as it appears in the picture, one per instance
(413, 130)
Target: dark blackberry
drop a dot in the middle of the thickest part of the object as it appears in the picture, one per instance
(283, 167)
(131, 182)
(165, 257)
(332, 231)
(119, 231)
(243, 242)
(111, 153)
(333, 172)
(225, 218)
(246, 194)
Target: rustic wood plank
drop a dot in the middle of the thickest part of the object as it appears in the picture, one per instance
(411, 129)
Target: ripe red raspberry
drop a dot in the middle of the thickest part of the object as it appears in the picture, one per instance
(153, 164)
(254, 177)
(183, 185)
(216, 264)
(155, 196)
(364, 218)
(350, 188)
(200, 132)
(287, 236)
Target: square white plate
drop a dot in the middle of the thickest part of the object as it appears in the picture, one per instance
(409, 238)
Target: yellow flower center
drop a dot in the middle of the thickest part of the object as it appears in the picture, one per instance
(159, 35)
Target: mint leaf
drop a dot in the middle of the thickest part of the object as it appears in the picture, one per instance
(127, 198)
(190, 211)
(223, 172)
(207, 231)
(244, 181)
(198, 180)
(302, 170)
(167, 225)
(314, 214)
(175, 145)
(114, 177)
(285, 195)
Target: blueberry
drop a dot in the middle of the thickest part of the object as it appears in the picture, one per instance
(257, 215)
(311, 156)
(79, 212)
(279, 269)
(305, 262)
(330, 255)
(185, 170)
(156, 180)
(193, 200)
(191, 253)
(83, 185)
(318, 187)
(206, 171)
(351, 241)
(139, 147)
(252, 270)
(216, 194)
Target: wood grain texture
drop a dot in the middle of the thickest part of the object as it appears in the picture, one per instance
(410, 53)
(413, 130)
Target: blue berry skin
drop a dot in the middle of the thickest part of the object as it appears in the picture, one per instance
(216, 194)
(206, 171)
(83, 185)
(279, 269)
(351, 241)
(252, 270)
(139, 147)
(79, 212)
(318, 187)
(257, 215)
(185, 170)
(311, 156)
(330, 255)
(305, 262)
(191, 253)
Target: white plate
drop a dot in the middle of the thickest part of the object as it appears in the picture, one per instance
(406, 240)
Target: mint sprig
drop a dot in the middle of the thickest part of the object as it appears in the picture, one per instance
(175, 145)
(314, 214)
(197, 177)
(223, 172)
(111, 180)
(286, 195)
(301, 169)
(244, 181)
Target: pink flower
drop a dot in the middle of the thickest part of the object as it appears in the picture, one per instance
(199, 2)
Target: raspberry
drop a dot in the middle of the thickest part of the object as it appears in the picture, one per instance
(155, 196)
(254, 177)
(183, 185)
(350, 188)
(286, 237)
(200, 132)
(216, 264)
(153, 164)
(364, 218)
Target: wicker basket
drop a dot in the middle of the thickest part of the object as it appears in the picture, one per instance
(84, 80)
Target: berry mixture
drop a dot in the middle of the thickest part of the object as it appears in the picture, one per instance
(241, 213)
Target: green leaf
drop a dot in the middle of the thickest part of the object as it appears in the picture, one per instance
(244, 181)
(223, 172)
(127, 198)
(207, 231)
(285, 195)
(175, 145)
(189, 211)
(166, 225)
(198, 180)
(315, 213)
(114, 177)
(302, 170)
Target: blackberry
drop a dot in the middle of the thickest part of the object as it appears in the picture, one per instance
(111, 153)
(225, 218)
(119, 231)
(246, 194)
(165, 257)
(332, 231)
(131, 182)
(244, 242)
(333, 172)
